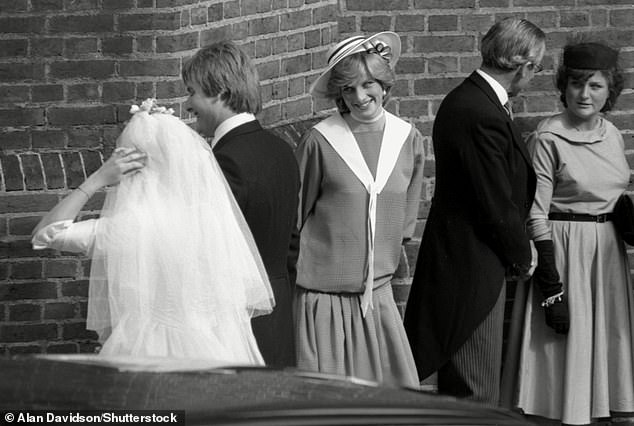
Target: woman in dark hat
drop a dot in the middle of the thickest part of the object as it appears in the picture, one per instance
(361, 172)
(577, 359)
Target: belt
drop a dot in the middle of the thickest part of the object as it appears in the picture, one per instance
(581, 217)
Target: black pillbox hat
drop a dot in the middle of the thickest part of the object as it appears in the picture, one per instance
(590, 56)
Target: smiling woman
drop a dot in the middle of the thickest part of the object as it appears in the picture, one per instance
(361, 172)
(583, 275)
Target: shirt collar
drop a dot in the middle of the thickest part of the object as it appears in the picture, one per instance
(231, 123)
(496, 86)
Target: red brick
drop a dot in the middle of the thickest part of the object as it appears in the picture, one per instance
(622, 18)
(98, 69)
(172, 3)
(77, 47)
(409, 65)
(444, 4)
(22, 25)
(240, 31)
(177, 43)
(77, 331)
(59, 311)
(20, 203)
(443, 23)
(447, 43)
(296, 108)
(81, 23)
(150, 67)
(48, 139)
(62, 348)
(413, 107)
(346, 24)
(92, 161)
(24, 350)
(21, 117)
(23, 226)
(599, 18)
(374, 24)
(4, 274)
(150, 21)
(409, 23)
(325, 14)
(118, 4)
(32, 169)
(212, 35)
(60, 268)
(19, 72)
(83, 5)
(12, 94)
(77, 288)
(27, 333)
(480, 23)
(267, 70)
(215, 12)
(47, 5)
(118, 91)
(13, 47)
(14, 140)
(53, 170)
(74, 170)
(377, 5)
(267, 25)
(436, 86)
(26, 270)
(25, 312)
(14, 6)
(81, 115)
(442, 64)
(47, 93)
(294, 20)
(13, 178)
(77, 93)
(542, 3)
(271, 114)
(296, 42)
(117, 45)
(170, 89)
(47, 46)
(145, 90)
(574, 19)
(296, 64)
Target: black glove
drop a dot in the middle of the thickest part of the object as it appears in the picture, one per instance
(557, 316)
(546, 278)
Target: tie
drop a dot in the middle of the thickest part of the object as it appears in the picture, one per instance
(509, 109)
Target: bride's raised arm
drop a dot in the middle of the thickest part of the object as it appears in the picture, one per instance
(122, 162)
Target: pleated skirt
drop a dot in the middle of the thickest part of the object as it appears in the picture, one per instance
(332, 336)
(588, 373)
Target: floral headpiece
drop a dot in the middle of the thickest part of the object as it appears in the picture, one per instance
(151, 107)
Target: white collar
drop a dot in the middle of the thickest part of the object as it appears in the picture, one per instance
(231, 123)
(496, 86)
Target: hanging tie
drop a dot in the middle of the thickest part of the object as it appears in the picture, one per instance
(366, 299)
(509, 109)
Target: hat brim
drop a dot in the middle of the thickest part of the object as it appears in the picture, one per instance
(319, 87)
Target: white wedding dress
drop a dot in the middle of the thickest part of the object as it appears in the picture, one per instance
(175, 271)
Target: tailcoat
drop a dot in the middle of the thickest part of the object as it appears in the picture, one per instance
(475, 231)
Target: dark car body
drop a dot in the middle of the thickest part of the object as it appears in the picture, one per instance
(230, 396)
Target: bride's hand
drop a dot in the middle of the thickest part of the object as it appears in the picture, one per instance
(122, 162)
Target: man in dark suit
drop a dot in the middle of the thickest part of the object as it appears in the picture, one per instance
(475, 239)
(261, 170)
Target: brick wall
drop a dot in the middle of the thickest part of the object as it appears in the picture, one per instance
(69, 70)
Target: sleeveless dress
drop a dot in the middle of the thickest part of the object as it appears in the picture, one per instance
(589, 372)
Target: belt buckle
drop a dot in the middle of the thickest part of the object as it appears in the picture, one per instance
(602, 218)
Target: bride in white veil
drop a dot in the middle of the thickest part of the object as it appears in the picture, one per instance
(175, 271)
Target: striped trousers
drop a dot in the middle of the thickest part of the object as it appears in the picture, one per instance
(474, 371)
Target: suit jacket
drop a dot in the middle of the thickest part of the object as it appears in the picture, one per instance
(263, 175)
(485, 186)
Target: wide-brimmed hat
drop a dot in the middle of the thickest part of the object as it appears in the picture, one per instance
(387, 44)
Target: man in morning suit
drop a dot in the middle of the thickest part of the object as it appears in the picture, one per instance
(262, 172)
(475, 239)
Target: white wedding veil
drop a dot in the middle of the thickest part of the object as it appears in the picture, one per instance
(172, 247)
